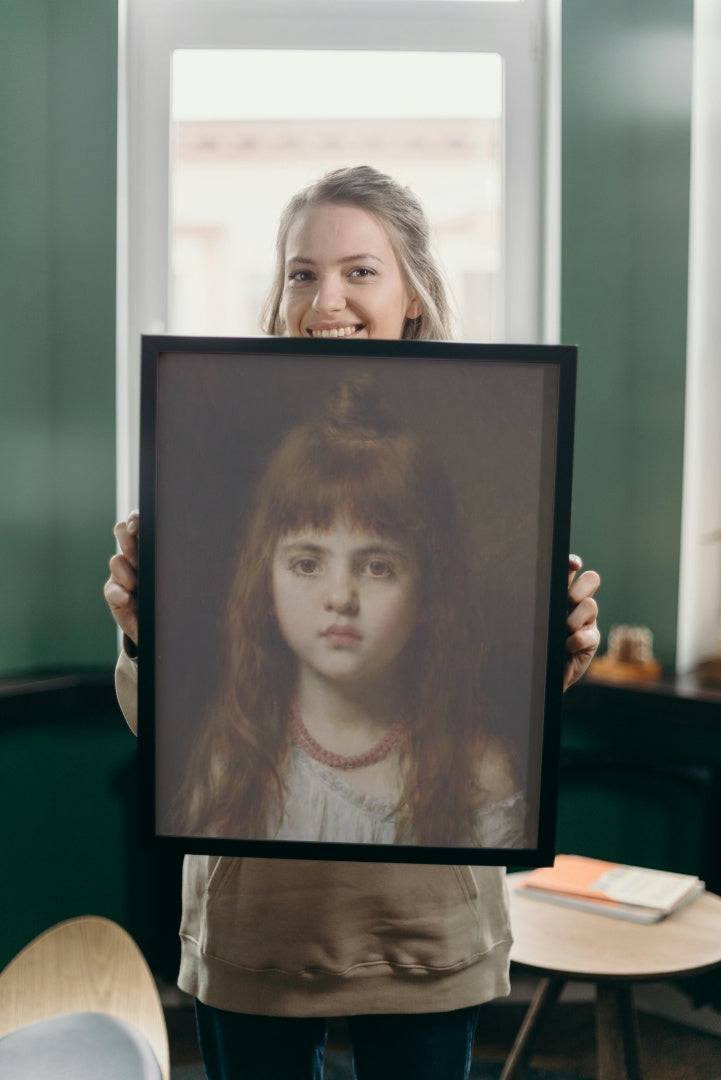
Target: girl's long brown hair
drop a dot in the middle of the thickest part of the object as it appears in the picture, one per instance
(353, 461)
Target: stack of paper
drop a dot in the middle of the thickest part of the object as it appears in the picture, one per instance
(624, 892)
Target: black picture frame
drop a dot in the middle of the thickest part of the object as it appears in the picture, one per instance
(501, 418)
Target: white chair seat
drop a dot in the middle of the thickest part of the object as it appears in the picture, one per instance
(78, 1046)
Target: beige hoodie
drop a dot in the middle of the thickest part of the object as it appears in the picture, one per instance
(299, 938)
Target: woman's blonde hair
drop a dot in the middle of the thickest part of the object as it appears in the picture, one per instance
(355, 461)
(401, 214)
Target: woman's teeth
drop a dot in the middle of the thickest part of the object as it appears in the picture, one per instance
(337, 331)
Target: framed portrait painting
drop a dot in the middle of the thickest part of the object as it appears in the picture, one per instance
(352, 597)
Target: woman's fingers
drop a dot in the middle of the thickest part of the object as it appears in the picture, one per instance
(575, 562)
(583, 636)
(123, 572)
(126, 534)
(120, 589)
(123, 607)
(585, 640)
(582, 612)
(586, 584)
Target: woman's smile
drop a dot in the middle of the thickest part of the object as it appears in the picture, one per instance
(335, 331)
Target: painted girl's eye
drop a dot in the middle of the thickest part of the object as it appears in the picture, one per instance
(306, 566)
(379, 568)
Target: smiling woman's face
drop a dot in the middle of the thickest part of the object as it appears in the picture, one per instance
(342, 277)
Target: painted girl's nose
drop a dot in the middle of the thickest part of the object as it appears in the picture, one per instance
(342, 596)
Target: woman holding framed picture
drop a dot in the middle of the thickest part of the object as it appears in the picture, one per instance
(272, 948)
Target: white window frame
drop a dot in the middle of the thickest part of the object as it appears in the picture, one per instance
(699, 597)
(526, 34)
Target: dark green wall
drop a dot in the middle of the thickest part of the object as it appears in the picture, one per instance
(68, 804)
(626, 145)
(641, 778)
(58, 72)
(67, 762)
(67, 775)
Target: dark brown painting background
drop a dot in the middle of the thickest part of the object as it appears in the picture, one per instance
(219, 417)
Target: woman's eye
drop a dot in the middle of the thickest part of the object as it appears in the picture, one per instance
(306, 567)
(362, 272)
(300, 276)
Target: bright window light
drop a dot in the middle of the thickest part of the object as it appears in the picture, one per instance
(239, 154)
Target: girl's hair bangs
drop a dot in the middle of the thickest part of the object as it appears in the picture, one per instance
(367, 486)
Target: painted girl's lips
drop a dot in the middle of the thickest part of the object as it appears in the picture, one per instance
(341, 635)
(335, 331)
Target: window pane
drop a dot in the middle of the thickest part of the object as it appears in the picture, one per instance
(252, 127)
(455, 1)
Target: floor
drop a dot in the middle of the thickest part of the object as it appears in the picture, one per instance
(669, 1051)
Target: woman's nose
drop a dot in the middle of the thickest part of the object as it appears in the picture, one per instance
(329, 297)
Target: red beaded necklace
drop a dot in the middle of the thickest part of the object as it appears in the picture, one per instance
(303, 738)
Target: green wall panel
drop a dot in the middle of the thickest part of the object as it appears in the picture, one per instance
(641, 781)
(63, 787)
(26, 489)
(69, 801)
(626, 146)
(58, 75)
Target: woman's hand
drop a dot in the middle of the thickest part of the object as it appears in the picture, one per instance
(122, 585)
(583, 636)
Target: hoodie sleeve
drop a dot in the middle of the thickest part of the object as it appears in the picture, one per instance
(126, 688)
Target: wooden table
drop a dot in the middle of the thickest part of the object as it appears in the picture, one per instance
(563, 944)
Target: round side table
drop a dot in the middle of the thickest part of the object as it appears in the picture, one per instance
(563, 944)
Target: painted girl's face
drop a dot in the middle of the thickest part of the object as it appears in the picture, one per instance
(346, 601)
(342, 277)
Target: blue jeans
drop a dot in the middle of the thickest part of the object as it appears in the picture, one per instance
(414, 1046)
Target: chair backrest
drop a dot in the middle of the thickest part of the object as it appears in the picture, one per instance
(88, 964)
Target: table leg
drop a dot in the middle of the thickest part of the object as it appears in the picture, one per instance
(545, 997)
(617, 1033)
